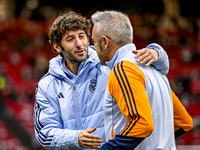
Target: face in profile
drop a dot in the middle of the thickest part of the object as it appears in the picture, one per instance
(97, 46)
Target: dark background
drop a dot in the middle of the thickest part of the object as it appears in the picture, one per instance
(187, 8)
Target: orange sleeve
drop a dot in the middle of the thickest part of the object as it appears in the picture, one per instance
(181, 117)
(126, 83)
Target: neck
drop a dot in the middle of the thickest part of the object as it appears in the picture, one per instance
(72, 66)
(112, 50)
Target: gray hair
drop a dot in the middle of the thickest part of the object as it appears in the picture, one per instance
(114, 25)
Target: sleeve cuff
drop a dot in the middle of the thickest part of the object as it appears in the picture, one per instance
(157, 47)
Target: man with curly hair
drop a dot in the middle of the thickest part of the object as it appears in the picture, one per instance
(69, 98)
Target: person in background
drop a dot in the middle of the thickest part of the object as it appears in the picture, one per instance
(68, 111)
(140, 110)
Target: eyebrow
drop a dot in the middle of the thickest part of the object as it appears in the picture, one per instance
(70, 36)
(82, 33)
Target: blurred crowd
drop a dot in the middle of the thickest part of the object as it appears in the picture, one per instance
(25, 54)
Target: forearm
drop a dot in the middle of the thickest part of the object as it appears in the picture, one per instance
(60, 138)
(182, 120)
(49, 129)
(52, 136)
(122, 142)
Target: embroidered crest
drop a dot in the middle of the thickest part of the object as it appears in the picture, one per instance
(92, 86)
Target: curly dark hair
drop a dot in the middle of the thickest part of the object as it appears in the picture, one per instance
(65, 22)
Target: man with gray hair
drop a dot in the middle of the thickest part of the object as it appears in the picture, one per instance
(140, 109)
(68, 111)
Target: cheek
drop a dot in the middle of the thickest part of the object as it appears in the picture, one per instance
(85, 42)
(67, 45)
(100, 55)
(97, 53)
(95, 47)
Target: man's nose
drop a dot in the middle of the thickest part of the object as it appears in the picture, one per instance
(78, 42)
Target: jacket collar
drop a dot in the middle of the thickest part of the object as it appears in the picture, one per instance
(56, 64)
(122, 51)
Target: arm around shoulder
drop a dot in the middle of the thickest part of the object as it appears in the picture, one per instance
(162, 64)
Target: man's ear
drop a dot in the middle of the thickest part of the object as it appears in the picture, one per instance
(105, 41)
(57, 48)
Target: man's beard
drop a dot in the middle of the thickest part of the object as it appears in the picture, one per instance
(72, 58)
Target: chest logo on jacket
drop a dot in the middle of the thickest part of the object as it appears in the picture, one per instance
(60, 95)
(93, 84)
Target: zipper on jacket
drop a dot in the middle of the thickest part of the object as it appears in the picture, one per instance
(76, 108)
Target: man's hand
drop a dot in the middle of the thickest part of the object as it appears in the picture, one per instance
(146, 56)
(87, 140)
